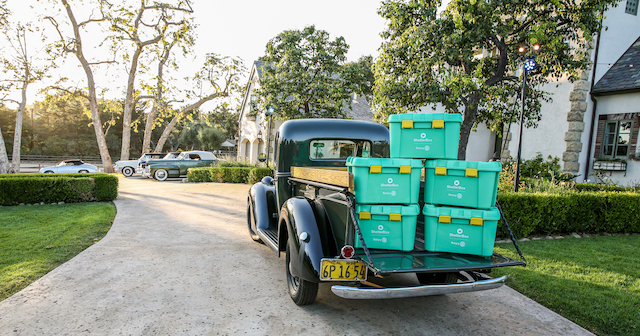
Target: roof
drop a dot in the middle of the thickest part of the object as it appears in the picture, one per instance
(624, 75)
(360, 109)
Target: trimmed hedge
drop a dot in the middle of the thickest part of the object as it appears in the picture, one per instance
(591, 212)
(53, 188)
(227, 174)
(603, 187)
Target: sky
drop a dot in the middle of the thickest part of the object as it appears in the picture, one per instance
(238, 28)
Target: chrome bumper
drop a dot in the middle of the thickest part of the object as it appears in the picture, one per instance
(348, 292)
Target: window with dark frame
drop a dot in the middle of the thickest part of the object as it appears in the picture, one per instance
(616, 139)
(632, 7)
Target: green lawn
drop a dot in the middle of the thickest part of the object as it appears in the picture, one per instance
(594, 282)
(36, 239)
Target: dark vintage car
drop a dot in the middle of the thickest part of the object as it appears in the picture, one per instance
(166, 168)
(309, 214)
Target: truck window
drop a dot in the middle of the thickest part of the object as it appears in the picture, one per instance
(338, 149)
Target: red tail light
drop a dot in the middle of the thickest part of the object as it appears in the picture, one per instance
(348, 251)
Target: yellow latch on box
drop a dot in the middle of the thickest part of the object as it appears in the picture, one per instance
(471, 172)
(405, 169)
(444, 219)
(437, 124)
(364, 215)
(441, 170)
(375, 169)
(395, 217)
(407, 124)
(475, 221)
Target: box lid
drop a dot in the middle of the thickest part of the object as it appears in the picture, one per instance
(405, 210)
(354, 161)
(461, 213)
(493, 166)
(426, 117)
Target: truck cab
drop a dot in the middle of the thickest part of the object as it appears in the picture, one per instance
(307, 211)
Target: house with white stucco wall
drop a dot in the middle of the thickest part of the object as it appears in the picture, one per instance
(256, 130)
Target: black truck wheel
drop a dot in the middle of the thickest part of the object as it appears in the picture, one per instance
(251, 223)
(302, 292)
(437, 278)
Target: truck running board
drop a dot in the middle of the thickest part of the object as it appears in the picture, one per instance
(349, 292)
(270, 238)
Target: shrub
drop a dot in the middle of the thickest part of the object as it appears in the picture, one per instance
(257, 174)
(603, 187)
(53, 188)
(227, 174)
(591, 212)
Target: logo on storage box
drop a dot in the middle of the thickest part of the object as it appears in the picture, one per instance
(389, 184)
(456, 186)
(459, 234)
(380, 231)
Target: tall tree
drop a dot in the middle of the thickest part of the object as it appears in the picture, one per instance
(4, 159)
(218, 78)
(303, 75)
(147, 25)
(21, 65)
(465, 57)
(74, 45)
(360, 73)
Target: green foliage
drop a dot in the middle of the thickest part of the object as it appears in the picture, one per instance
(591, 212)
(36, 239)
(224, 118)
(590, 281)
(506, 179)
(235, 163)
(304, 76)
(53, 188)
(465, 56)
(228, 174)
(257, 174)
(603, 187)
(201, 135)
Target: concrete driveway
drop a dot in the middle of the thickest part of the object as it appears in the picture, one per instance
(178, 261)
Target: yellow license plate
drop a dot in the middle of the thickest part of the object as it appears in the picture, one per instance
(343, 270)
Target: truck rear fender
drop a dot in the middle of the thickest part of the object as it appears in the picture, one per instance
(263, 202)
(298, 216)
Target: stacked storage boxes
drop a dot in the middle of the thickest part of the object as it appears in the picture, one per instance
(387, 193)
(459, 196)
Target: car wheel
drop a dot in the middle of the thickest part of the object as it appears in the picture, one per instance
(302, 292)
(161, 175)
(48, 172)
(437, 278)
(127, 171)
(83, 171)
(251, 222)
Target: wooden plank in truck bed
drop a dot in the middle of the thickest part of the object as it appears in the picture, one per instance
(330, 175)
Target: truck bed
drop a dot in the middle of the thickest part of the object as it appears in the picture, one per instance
(331, 186)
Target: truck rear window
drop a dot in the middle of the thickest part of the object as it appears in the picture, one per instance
(338, 149)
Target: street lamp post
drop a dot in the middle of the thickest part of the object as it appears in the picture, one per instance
(528, 65)
(269, 112)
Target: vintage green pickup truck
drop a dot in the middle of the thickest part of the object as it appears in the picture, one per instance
(308, 211)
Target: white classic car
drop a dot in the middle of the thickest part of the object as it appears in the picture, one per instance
(129, 167)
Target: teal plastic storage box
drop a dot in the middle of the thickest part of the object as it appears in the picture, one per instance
(389, 227)
(424, 135)
(469, 184)
(385, 181)
(460, 230)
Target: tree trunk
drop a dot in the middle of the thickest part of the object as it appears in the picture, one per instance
(93, 100)
(17, 137)
(174, 121)
(469, 118)
(148, 128)
(129, 106)
(4, 159)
